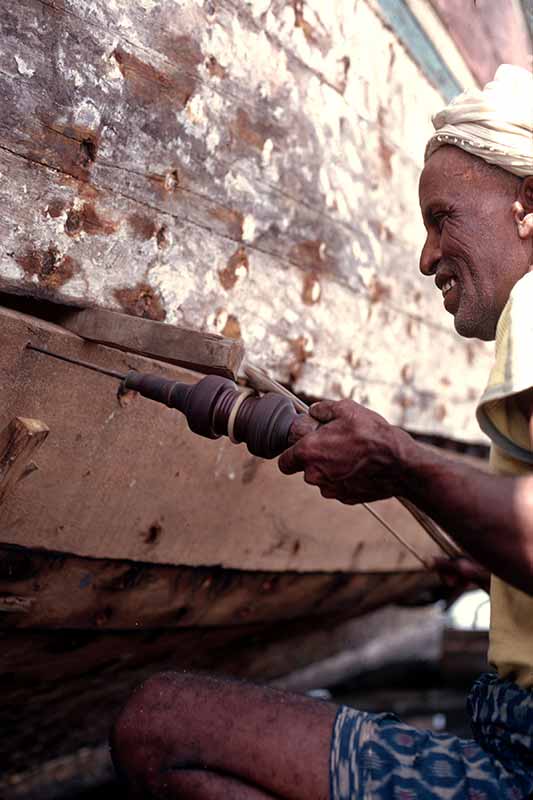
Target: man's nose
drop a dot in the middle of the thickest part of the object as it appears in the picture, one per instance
(430, 256)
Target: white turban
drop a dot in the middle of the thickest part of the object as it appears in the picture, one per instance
(495, 124)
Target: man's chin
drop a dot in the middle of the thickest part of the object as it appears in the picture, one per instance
(482, 328)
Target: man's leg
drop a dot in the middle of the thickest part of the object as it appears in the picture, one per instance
(199, 737)
(201, 785)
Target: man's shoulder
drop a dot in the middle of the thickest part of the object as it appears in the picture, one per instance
(519, 304)
(505, 408)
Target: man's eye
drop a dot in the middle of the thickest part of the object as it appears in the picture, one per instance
(439, 220)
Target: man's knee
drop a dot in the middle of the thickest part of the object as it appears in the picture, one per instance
(139, 737)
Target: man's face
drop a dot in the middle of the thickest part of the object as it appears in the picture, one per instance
(472, 246)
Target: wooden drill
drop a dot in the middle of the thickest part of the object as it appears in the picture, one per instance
(213, 407)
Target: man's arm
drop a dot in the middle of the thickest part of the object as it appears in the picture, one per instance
(489, 516)
(356, 456)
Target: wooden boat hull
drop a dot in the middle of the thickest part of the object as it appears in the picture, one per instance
(90, 630)
(151, 167)
(132, 545)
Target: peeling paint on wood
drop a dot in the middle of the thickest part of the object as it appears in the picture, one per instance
(49, 267)
(158, 141)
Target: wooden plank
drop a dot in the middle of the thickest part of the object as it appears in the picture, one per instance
(370, 356)
(125, 478)
(41, 589)
(53, 682)
(191, 349)
(64, 777)
(410, 32)
(434, 29)
(177, 180)
(18, 442)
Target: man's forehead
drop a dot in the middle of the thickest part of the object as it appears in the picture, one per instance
(448, 169)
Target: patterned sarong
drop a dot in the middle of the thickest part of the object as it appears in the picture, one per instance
(377, 757)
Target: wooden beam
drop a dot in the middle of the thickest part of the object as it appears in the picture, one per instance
(87, 768)
(203, 352)
(410, 32)
(127, 479)
(18, 442)
(76, 681)
(385, 637)
(442, 40)
(112, 594)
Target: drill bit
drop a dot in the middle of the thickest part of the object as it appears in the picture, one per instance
(118, 375)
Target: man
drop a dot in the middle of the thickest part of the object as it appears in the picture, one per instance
(198, 737)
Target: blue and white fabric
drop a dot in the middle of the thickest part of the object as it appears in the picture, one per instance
(377, 757)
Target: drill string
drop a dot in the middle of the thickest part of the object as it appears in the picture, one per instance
(261, 381)
(118, 375)
(397, 536)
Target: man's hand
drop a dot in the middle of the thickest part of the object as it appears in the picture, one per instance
(462, 574)
(354, 456)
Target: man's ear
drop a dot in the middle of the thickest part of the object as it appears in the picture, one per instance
(523, 208)
(525, 193)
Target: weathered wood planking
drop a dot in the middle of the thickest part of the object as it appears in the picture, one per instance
(203, 352)
(40, 589)
(410, 32)
(52, 682)
(436, 33)
(152, 165)
(123, 477)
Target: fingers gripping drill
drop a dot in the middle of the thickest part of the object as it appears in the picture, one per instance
(215, 407)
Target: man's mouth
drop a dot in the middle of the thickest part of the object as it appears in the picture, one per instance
(448, 286)
(450, 294)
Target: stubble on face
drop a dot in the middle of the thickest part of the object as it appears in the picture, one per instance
(466, 205)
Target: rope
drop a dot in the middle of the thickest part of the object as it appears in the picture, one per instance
(244, 393)
(396, 535)
(262, 382)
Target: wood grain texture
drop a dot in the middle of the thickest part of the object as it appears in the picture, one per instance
(154, 168)
(203, 352)
(53, 682)
(18, 442)
(61, 591)
(123, 477)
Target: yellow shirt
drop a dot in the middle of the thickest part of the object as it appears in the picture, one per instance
(511, 624)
